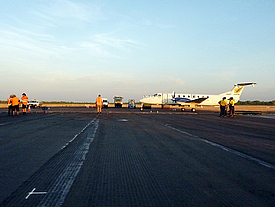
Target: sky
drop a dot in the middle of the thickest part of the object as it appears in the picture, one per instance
(73, 50)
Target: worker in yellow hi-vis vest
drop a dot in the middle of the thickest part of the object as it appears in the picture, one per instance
(231, 107)
(223, 106)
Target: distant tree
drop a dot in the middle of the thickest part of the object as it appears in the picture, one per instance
(257, 102)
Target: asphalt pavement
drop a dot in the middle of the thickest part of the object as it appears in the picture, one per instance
(124, 157)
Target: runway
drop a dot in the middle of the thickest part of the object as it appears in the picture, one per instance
(131, 158)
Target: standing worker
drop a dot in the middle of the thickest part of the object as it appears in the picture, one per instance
(9, 105)
(99, 103)
(223, 105)
(24, 103)
(15, 105)
(231, 107)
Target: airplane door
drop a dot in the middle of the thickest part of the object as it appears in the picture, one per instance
(165, 98)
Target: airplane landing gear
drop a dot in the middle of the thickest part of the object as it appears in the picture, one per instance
(192, 110)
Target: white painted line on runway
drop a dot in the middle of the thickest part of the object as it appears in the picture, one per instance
(34, 193)
(183, 132)
(3, 124)
(78, 133)
(62, 184)
(232, 151)
(18, 121)
(123, 120)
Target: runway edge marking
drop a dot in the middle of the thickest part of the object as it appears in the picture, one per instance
(232, 151)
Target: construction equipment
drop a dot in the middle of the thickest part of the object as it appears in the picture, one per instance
(118, 101)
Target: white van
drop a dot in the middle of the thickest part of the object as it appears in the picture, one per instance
(105, 102)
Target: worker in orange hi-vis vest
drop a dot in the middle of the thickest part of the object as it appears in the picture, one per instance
(24, 103)
(15, 105)
(99, 103)
(9, 105)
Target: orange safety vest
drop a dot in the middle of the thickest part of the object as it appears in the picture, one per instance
(24, 100)
(99, 101)
(9, 101)
(15, 101)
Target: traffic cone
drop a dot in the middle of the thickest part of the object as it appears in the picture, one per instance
(29, 109)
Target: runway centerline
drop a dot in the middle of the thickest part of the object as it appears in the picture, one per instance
(57, 193)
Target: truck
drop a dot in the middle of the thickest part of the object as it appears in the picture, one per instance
(118, 101)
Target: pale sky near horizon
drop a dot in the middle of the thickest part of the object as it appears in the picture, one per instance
(73, 50)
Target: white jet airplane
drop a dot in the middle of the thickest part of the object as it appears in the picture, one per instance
(193, 100)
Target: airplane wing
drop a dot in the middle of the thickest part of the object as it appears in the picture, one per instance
(193, 102)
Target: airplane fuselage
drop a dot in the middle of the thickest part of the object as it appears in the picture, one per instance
(180, 99)
(193, 100)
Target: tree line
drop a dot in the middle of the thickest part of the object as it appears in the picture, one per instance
(257, 102)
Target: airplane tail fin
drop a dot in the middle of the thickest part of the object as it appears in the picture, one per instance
(237, 90)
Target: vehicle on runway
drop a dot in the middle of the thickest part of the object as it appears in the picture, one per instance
(105, 102)
(131, 104)
(192, 100)
(34, 103)
(118, 101)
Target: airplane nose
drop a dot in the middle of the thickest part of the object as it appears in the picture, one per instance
(142, 100)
